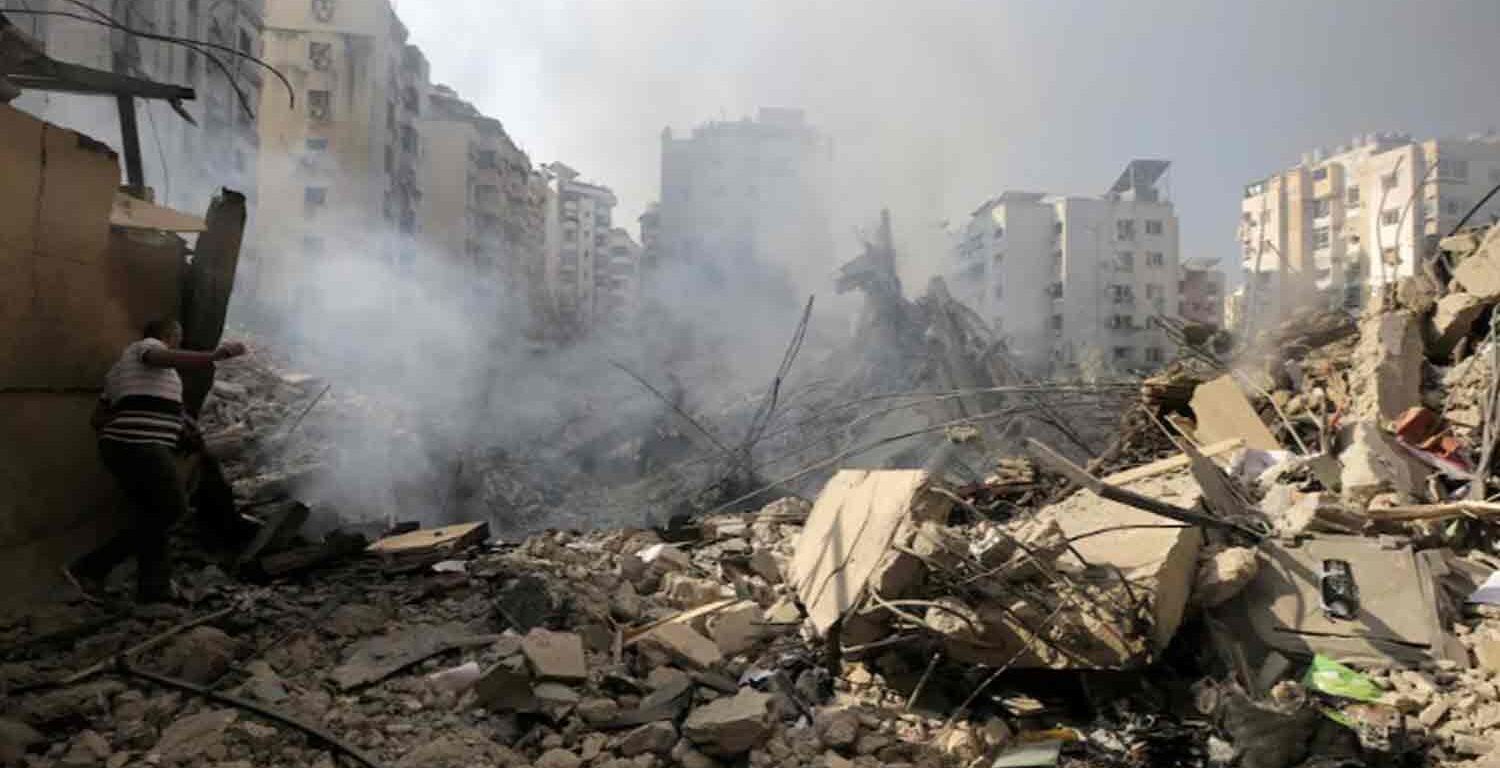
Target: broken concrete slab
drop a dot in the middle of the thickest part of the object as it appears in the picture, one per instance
(736, 629)
(848, 533)
(1222, 574)
(448, 538)
(690, 592)
(731, 725)
(377, 658)
(556, 656)
(680, 642)
(1452, 322)
(1387, 375)
(191, 738)
(506, 686)
(1223, 413)
(652, 738)
(1479, 272)
(1375, 462)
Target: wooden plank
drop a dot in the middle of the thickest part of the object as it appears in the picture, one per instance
(851, 527)
(1172, 463)
(131, 213)
(452, 536)
(633, 635)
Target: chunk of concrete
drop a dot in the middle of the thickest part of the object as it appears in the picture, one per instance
(1224, 574)
(1479, 272)
(736, 629)
(1452, 321)
(731, 725)
(1487, 651)
(506, 686)
(686, 591)
(680, 642)
(652, 738)
(188, 739)
(1387, 375)
(768, 565)
(556, 655)
(1375, 462)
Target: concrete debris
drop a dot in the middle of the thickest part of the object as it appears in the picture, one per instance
(1223, 573)
(680, 643)
(731, 725)
(555, 655)
(1387, 374)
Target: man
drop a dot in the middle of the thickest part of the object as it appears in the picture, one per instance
(140, 423)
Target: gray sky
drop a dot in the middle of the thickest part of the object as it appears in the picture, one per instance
(934, 104)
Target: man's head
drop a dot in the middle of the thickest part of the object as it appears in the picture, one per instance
(165, 330)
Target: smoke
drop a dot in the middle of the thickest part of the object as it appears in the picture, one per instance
(934, 106)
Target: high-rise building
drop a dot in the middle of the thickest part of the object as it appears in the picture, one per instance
(618, 279)
(579, 221)
(343, 167)
(184, 164)
(1200, 292)
(1338, 225)
(480, 210)
(747, 196)
(1073, 284)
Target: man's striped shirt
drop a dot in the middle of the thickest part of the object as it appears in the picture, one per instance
(145, 400)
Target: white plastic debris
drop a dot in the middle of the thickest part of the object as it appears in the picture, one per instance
(1488, 592)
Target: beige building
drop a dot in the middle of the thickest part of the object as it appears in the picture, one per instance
(1200, 292)
(183, 164)
(341, 169)
(1338, 225)
(618, 280)
(481, 210)
(579, 221)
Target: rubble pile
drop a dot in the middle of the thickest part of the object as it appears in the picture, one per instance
(1287, 561)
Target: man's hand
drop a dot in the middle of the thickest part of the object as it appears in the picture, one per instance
(230, 349)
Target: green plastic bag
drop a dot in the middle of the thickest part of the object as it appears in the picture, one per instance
(1335, 679)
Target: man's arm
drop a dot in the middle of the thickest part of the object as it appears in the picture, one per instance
(183, 359)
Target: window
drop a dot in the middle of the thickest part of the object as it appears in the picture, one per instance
(1055, 290)
(322, 10)
(1122, 322)
(246, 43)
(1494, 172)
(1156, 259)
(313, 199)
(408, 139)
(486, 159)
(1320, 237)
(1125, 229)
(1390, 216)
(1153, 226)
(1320, 174)
(1057, 228)
(320, 105)
(317, 145)
(1125, 261)
(1153, 291)
(1351, 196)
(998, 259)
(1056, 322)
(320, 55)
(1322, 207)
(390, 158)
(570, 235)
(998, 233)
(999, 291)
(1388, 181)
(390, 115)
(1153, 354)
(1453, 170)
(1122, 353)
(1455, 207)
(1122, 294)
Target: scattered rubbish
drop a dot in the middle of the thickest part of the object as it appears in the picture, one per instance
(456, 678)
(1335, 679)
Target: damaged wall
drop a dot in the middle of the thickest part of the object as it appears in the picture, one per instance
(75, 292)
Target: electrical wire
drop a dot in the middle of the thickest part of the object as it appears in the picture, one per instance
(161, 154)
(291, 92)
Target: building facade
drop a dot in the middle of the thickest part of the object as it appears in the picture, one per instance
(340, 170)
(184, 164)
(747, 195)
(1073, 284)
(479, 211)
(579, 218)
(618, 282)
(1200, 292)
(1337, 226)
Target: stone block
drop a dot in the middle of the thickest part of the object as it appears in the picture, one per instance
(556, 655)
(731, 725)
(1387, 375)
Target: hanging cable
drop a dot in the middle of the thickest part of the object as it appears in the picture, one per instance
(192, 44)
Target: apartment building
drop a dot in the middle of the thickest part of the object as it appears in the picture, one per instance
(184, 165)
(342, 169)
(479, 210)
(579, 219)
(1338, 225)
(618, 281)
(748, 198)
(1072, 283)
(1200, 292)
